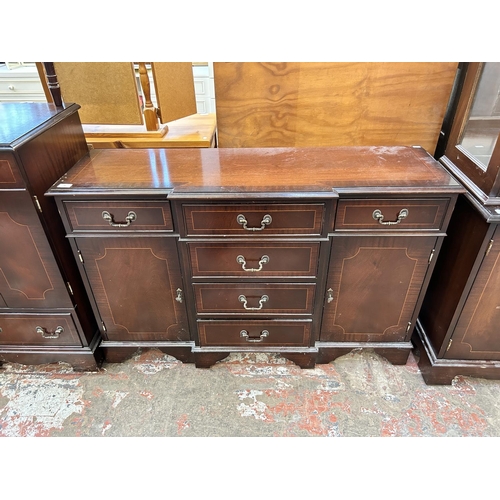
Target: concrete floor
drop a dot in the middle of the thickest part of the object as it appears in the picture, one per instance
(152, 394)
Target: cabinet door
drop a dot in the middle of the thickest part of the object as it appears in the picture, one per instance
(477, 333)
(29, 275)
(136, 283)
(373, 286)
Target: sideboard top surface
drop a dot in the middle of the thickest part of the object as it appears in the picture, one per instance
(257, 170)
(18, 121)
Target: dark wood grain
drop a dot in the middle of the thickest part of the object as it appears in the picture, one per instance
(287, 219)
(283, 259)
(217, 299)
(377, 273)
(453, 275)
(290, 171)
(29, 274)
(375, 284)
(279, 333)
(422, 214)
(476, 333)
(39, 279)
(135, 282)
(20, 329)
(151, 216)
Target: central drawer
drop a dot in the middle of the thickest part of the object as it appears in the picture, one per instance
(252, 333)
(254, 298)
(128, 215)
(259, 219)
(254, 260)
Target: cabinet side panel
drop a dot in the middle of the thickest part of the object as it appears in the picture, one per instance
(476, 334)
(465, 235)
(45, 159)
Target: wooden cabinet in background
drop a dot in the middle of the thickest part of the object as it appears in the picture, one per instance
(457, 332)
(45, 315)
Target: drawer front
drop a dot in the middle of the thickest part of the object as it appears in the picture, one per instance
(254, 219)
(254, 333)
(391, 214)
(119, 215)
(10, 177)
(254, 298)
(38, 330)
(254, 260)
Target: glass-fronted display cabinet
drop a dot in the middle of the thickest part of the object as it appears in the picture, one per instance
(473, 149)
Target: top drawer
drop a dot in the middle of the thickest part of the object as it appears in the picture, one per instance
(119, 215)
(395, 214)
(254, 219)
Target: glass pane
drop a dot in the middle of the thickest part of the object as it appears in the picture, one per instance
(482, 129)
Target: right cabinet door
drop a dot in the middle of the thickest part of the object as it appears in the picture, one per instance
(373, 286)
(137, 287)
(477, 333)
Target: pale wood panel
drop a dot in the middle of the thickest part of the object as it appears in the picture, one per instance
(106, 91)
(331, 104)
(174, 87)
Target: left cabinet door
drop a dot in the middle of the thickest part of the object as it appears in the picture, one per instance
(29, 275)
(137, 287)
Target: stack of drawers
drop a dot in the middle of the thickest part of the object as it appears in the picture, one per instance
(254, 273)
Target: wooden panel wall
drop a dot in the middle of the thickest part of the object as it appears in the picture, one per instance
(106, 91)
(331, 104)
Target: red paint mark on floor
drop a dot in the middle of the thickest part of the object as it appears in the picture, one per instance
(182, 423)
(147, 394)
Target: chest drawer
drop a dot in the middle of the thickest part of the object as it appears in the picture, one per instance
(254, 260)
(119, 215)
(394, 214)
(254, 298)
(254, 219)
(250, 333)
(38, 329)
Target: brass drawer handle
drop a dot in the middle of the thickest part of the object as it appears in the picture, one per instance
(49, 335)
(241, 260)
(266, 220)
(243, 299)
(131, 217)
(260, 338)
(377, 215)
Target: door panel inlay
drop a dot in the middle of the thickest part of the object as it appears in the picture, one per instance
(20, 261)
(6, 173)
(119, 269)
(378, 266)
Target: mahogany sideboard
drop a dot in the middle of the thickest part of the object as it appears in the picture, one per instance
(306, 252)
(45, 315)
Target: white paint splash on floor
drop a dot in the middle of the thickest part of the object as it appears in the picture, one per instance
(37, 405)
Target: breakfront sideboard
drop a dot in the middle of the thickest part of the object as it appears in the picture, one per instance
(45, 315)
(457, 332)
(307, 252)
